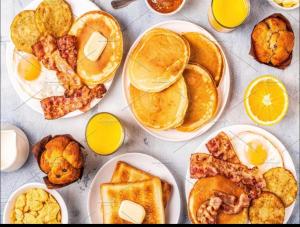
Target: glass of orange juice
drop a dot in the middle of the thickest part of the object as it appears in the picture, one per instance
(226, 15)
(104, 134)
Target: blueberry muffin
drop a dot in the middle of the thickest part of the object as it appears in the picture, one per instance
(273, 41)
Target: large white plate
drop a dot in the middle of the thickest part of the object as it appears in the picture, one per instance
(78, 8)
(234, 130)
(223, 90)
(143, 162)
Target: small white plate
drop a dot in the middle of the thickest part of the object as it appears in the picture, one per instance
(145, 163)
(234, 130)
(11, 201)
(223, 89)
(276, 5)
(78, 8)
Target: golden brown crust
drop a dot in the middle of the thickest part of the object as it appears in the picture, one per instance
(282, 183)
(267, 209)
(61, 158)
(273, 41)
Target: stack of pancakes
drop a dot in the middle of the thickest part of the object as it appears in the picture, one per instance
(174, 80)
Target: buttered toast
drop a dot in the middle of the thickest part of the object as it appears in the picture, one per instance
(125, 173)
(148, 194)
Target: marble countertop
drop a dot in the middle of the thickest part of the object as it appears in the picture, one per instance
(135, 19)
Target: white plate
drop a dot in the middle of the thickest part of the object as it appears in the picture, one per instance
(11, 201)
(78, 9)
(234, 130)
(143, 162)
(223, 90)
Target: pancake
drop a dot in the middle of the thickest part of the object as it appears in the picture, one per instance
(162, 110)
(206, 53)
(103, 69)
(203, 98)
(158, 60)
(205, 188)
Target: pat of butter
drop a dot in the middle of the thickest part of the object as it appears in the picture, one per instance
(95, 46)
(132, 212)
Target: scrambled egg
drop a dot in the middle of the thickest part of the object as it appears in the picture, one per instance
(36, 206)
(287, 3)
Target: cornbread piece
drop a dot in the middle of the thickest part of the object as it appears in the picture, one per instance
(61, 158)
(203, 165)
(273, 41)
(54, 17)
(147, 194)
(267, 209)
(125, 173)
(221, 148)
(282, 183)
(24, 32)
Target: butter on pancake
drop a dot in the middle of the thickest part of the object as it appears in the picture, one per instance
(206, 53)
(161, 110)
(205, 188)
(158, 60)
(203, 98)
(100, 47)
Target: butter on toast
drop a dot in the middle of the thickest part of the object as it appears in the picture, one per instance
(148, 194)
(125, 173)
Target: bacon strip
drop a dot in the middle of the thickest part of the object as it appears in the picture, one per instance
(221, 148)
(231, 204)
(58, 106)
(208, 211)
(203, 165)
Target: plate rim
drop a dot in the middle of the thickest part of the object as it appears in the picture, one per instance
(133, 154)
(27, 99)
(255, 129)
(53, 192)
(227, 87)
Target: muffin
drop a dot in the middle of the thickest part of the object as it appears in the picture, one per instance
(273, 41)
(61, 158)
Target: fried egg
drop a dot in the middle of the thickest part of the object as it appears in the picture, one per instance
(255, 150)
(35, 80)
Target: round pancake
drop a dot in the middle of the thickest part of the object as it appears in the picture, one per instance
(54, 17)
(24, 32)
(206, 53)
(203, 98)
(158, 60)
(162, 110)
(205, 188)
(96, 72)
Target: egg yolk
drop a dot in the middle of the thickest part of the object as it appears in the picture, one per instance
(257, 154)
(29, 68)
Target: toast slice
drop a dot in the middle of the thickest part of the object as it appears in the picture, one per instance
(145, 193)
(125, 173)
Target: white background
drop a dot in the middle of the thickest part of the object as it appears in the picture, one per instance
(134, 20)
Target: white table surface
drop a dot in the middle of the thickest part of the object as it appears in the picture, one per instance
(135, 19)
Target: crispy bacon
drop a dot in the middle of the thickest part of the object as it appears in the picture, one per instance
(203, 165)
(67, 46)
(208, 211)
(58, 106)
(44, 49)
(231, 204)
(221, 148)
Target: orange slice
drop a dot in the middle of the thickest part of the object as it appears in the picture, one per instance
(266, 100)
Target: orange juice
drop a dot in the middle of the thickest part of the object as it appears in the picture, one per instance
(226, 15)
(104, 134)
